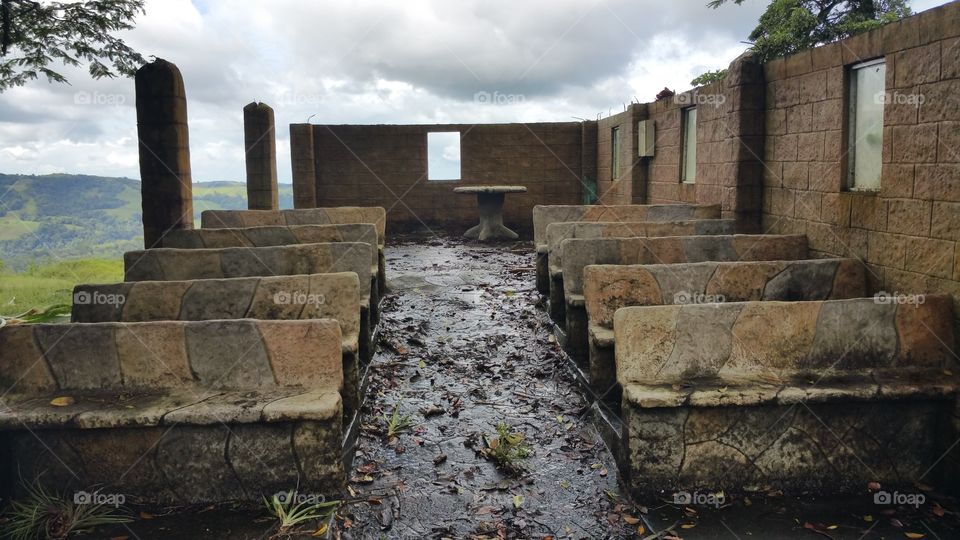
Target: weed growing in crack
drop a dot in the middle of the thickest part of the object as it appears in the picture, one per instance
(41, 514)
(507, 450)
(397, 423)
(291, 509)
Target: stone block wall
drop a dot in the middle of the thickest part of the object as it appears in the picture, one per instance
(729, 144)
(386, 165)
(907, 232)
(629, 187)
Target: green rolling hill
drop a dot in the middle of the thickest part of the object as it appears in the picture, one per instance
(49, 218)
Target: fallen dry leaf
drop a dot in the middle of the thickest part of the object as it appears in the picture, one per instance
(63, 401)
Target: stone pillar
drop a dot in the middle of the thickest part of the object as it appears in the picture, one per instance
(588, 163)
(302, 162)
(746, 111)
(260, 146)
(166, 186)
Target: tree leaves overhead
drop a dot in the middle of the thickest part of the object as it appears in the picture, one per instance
(789, 26)
(37, 35)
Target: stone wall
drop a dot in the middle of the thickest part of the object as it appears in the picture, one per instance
(630, 186)
(386, 165)
(907, 232)
(729, 144)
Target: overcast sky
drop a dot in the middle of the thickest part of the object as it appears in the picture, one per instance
(372, 62)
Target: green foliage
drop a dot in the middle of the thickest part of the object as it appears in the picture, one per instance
(62, 216)
(292, 509)
(709, 77)
(52, 284)
(40, 514)
(397, 423)
(35, 34)
(789, 26)
(506, 450)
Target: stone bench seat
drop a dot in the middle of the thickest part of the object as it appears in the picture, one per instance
(544, 215)
(578, 253)
(281, 236)
(342, 215)
(167, 264)
(170, 407)
(558, 232)
(174, 412)
(797, 389)
(317, 296)
(608, 288)
(824, 395)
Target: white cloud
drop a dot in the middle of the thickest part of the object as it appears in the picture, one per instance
(378, 61)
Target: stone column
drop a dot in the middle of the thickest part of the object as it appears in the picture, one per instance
(302, 162)
(260, 146)
(166, 186)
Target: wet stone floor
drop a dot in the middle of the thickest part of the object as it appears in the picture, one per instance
(466, 346)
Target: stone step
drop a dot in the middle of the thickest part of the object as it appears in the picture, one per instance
(608, 288)
(167, 264)
(579, 253)
(282, 236)
(317, 296)
(558, 232)
(815, 395)
(174, 412)
(544, 215)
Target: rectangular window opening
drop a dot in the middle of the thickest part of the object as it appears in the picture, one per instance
(688, 166)
(867, 84)
(443, 155)
(615, 153)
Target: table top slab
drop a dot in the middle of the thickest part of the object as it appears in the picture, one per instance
(490, 189)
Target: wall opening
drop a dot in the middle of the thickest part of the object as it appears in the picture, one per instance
(615, 153)
(688, 165)
(867, 84)
(443, 155)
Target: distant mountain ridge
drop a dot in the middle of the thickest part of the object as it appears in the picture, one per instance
(61, 216)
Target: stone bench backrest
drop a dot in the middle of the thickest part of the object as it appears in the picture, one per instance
(607, 288)
(317, 296)
(40, 359)
(166, 264)
(580, 253)
(558, 232)
(780, 340)
(271, 236)
(544, 215)
(237, 219)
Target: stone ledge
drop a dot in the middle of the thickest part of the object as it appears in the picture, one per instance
(188, 406)
(813, 388)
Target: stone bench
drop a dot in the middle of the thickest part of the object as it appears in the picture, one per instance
(607, 288)
(544, 215)
(174, 413)
(317, 296)
(282, 236)
(342, 215)
(168, 264)
(558, 232)
(820, 396)
(578, 253)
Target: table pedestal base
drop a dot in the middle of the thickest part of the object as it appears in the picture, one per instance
(491, 219)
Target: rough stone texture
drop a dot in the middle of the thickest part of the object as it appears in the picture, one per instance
(780, 339)
(906, 232)
(578, 253)
(164, 146)
(159, 433)
(229, 354)
(260, 151)
(301, 161)
(238, 219)
(317, 296)
(821, 447)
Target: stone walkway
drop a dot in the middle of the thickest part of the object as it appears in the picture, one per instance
(465, 348)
